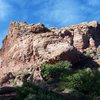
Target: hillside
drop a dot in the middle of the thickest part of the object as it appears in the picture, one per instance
(27, 46)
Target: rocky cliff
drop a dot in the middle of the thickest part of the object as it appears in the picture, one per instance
(28, 45)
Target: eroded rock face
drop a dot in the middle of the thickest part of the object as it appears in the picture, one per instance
(29, 45)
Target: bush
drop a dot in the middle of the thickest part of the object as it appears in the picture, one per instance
(86, 82)
(55, 70)
(32, 92)
(83, 84)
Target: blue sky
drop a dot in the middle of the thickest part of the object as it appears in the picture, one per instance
(53, 13)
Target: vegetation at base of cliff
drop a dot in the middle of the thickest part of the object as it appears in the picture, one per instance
(55, 70)
(85, 82)
(82, 84)
(30, 91)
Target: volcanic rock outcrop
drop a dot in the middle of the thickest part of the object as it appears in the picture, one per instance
(28, 45)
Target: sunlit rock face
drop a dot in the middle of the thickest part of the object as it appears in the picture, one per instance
(29, 45)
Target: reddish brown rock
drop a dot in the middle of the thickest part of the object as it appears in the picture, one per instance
(23, 47)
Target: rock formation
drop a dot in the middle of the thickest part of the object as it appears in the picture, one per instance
(28, 45)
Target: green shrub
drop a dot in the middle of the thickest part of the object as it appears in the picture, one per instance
(83, 84)
(32, 92)
(86, 82)
(55, 70)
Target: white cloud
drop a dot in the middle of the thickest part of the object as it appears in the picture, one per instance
(5, 9)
